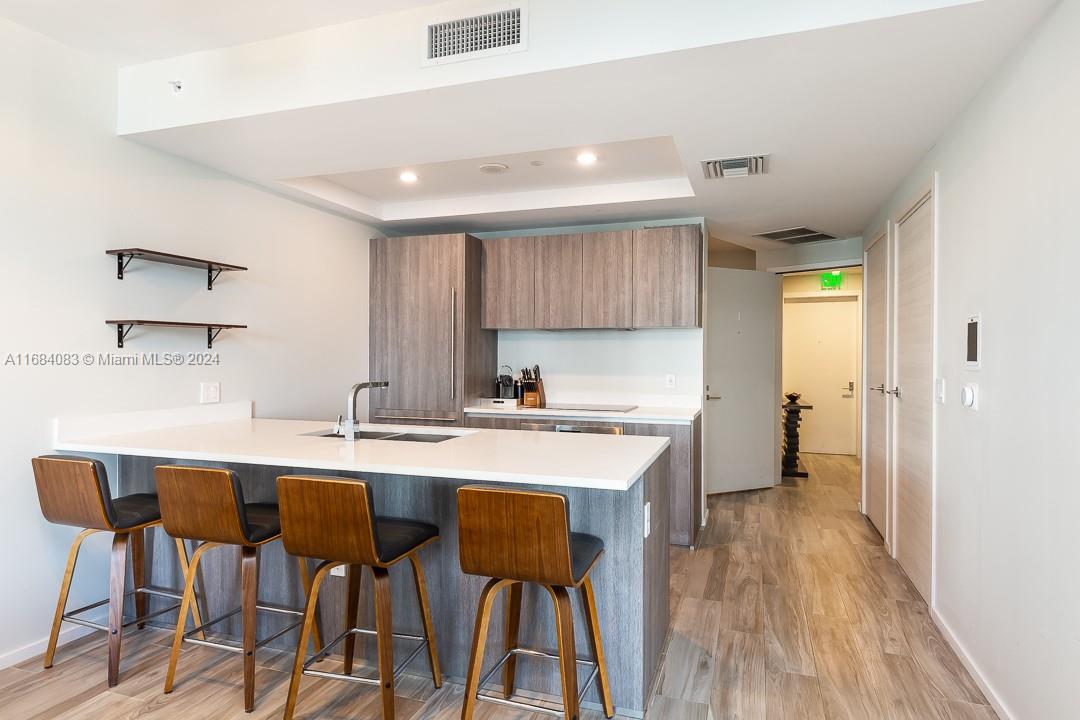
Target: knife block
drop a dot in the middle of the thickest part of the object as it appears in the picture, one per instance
(533, 395)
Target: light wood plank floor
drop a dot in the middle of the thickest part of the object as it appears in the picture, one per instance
(789, 609)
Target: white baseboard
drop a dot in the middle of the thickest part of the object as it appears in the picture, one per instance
(67, 635)
(972, 667)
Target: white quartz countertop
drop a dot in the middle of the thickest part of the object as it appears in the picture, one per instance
(605, 462)
(659, 415)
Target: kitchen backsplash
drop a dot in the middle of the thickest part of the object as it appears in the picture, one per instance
(610, 366)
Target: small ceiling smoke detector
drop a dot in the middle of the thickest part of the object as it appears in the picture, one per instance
(586, 158)
(735, 167)
(177, 86)
(796, 236)
(408, 177)
(494, 168)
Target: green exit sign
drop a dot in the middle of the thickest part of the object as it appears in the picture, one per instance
(832, 280)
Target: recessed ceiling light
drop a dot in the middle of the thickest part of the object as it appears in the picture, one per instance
(537, 163)
(409, 177)
(494, 168)
(586, 158)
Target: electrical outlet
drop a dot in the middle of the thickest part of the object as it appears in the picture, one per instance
(669, 381)
(209, 392)
(338, 571)
(648, 519)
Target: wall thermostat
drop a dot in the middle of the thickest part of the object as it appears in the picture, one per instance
(973, 359)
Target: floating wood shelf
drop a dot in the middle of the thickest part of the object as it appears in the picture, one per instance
(123, 327)
(213, 267)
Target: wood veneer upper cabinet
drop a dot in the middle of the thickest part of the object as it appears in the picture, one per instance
(607, 268)
(508, 283)
(558, 282)
(667, 277)
(425, 335)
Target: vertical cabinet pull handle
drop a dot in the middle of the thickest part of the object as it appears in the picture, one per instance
(453, 342)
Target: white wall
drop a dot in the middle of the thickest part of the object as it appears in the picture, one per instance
(69, 190)
(1007, 490)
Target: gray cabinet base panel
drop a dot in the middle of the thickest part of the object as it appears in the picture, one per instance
(631, 579)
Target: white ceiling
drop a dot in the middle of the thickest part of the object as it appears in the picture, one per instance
(619, 162)
(844, 113)
(135, 31)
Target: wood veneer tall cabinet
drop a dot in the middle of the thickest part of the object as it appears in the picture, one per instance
(667, 276)
(426, 338)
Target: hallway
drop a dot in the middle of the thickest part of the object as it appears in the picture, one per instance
(792, 609)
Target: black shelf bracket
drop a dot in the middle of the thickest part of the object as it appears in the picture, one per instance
(122, 333)
(121, 265)
(211, 335)
(212, 275)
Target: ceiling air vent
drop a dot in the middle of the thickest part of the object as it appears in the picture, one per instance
(492, 33)
(796, 236)
(735, 167)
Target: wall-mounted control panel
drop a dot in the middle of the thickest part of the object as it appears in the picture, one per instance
(973, 343)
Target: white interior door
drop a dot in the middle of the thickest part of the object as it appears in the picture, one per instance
(821, 352)
(913, 401)
(876, 274)
(742, 370)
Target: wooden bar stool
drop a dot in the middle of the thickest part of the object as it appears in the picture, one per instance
(520, 536)
(75, 491)
(334, 519)
(207, 505)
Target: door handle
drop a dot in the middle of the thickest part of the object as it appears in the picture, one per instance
(879, 388)
(453, 342)
(897, 392)
(713, 397)
(850, 387)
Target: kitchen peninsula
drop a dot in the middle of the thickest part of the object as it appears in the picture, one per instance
(616, 485)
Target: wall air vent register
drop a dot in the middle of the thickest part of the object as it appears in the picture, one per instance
(493, 33)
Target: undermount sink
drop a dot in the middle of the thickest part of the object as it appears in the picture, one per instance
(360, 435)
(396, 437)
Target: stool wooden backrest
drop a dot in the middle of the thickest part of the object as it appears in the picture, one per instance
(328, 518)
(201, 503)
(521, 535)
(73, 491)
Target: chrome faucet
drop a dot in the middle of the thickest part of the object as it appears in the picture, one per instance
(350, 426)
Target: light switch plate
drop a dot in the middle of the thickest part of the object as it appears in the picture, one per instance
(209, 392)
(338, 571)
(939, 386)
(648, 519)
(669, 381)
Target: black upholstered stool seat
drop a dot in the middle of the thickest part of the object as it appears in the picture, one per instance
(398, 536)
(136, 509)
(584, 549)
(260, 521)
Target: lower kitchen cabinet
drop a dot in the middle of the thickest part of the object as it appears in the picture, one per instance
(684, 475)
(488, 422)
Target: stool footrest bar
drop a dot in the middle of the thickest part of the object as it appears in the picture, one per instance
(530, 652)
(189, 635)
(322, 654)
